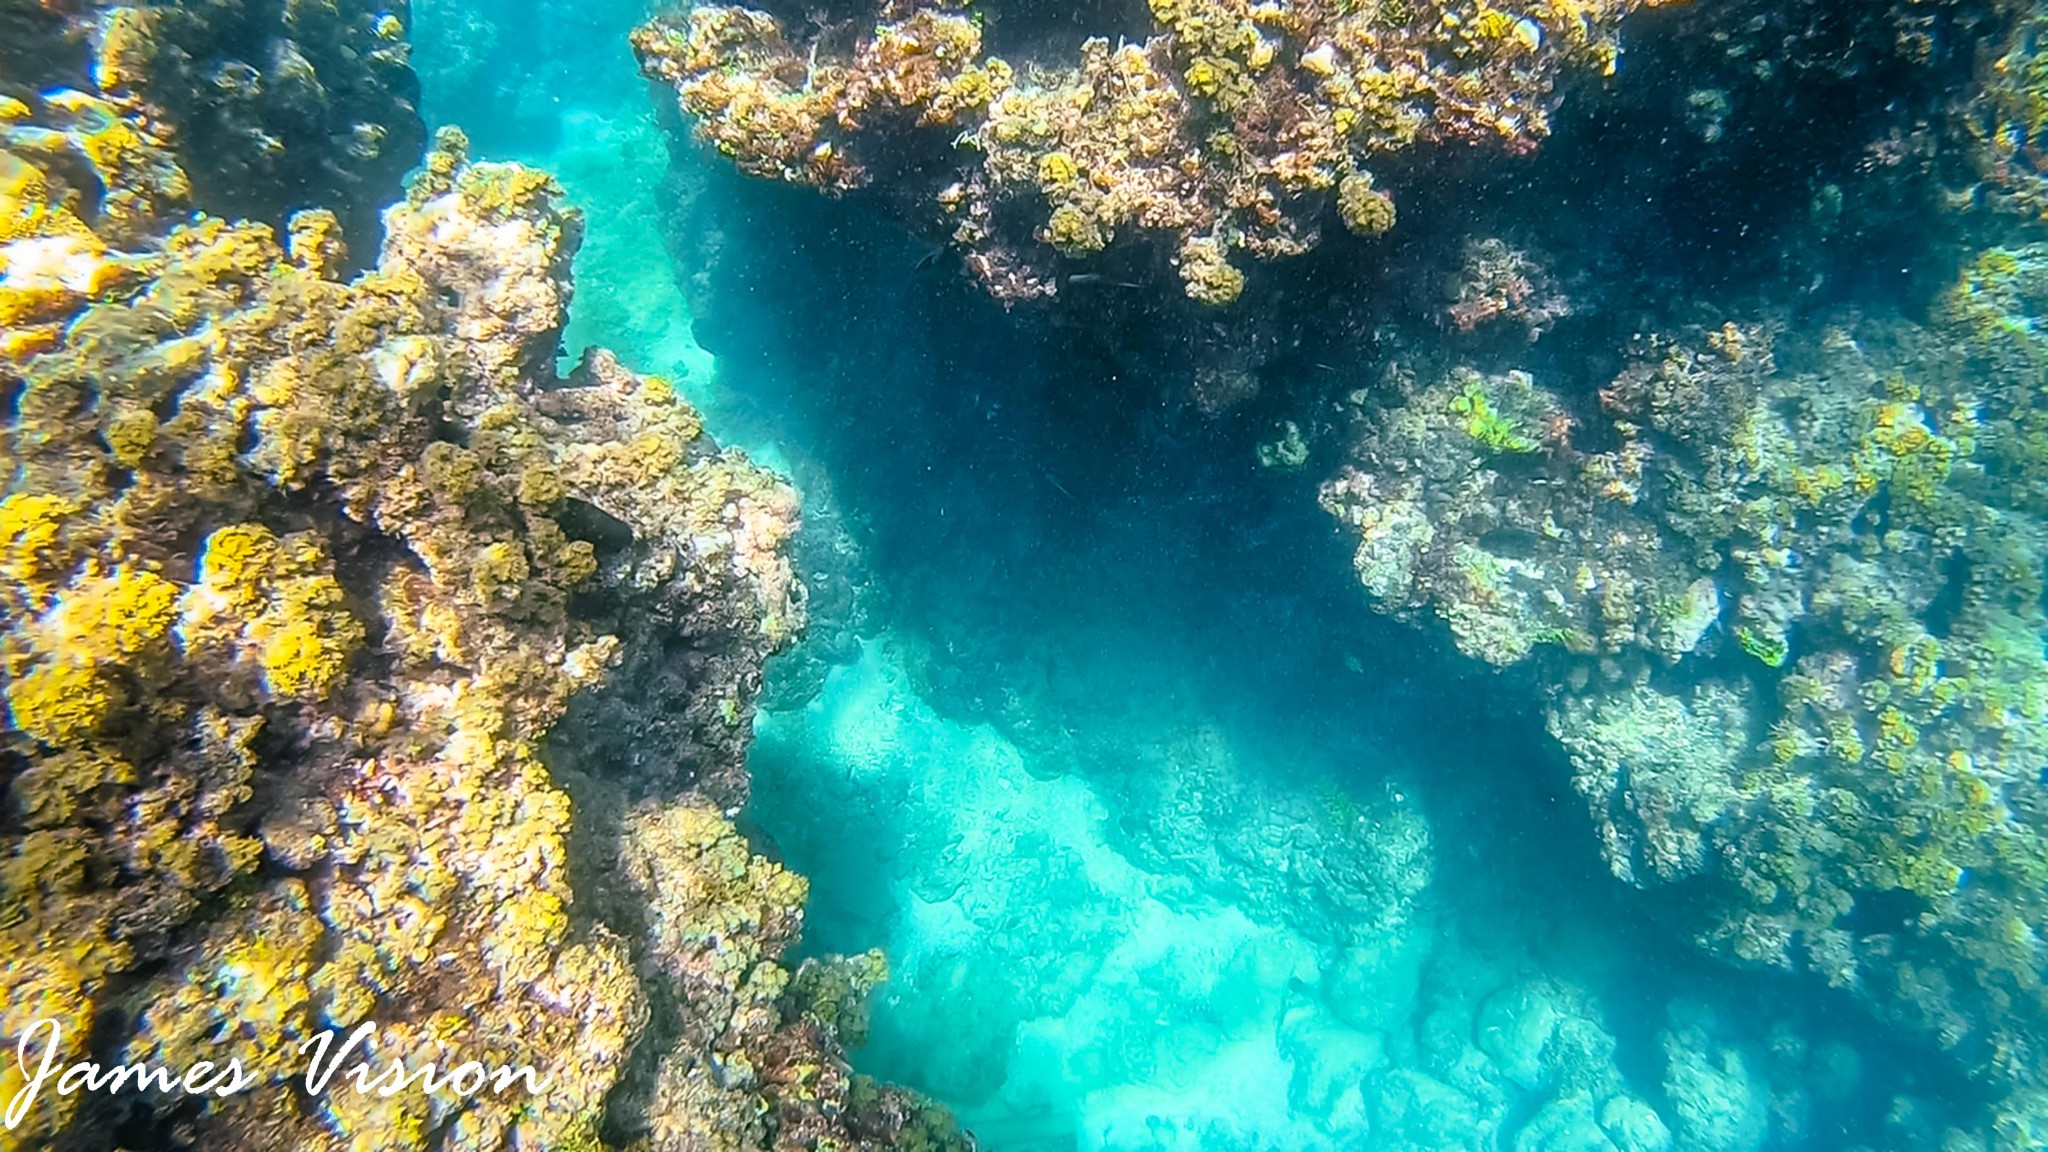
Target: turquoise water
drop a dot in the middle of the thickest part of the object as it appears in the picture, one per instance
(1170, 841)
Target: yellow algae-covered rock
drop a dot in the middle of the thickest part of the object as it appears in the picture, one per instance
(321, 598)
(49, 259)
(26, 210)
(74, 152)
(1230, 125)
(279, 104)
(278, 602)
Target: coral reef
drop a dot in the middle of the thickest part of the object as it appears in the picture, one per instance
(1233, 130)
(279, 105)
(2008, 117)
(322, 597)
(1500, 284)
(1775, 567)
(1784, 589)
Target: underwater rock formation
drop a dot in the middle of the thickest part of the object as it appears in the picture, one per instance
(1783, 584)
(1224, 130)
(2007, 116)
(1154, 935)
(1780, 576)
(322, 597)
(278, 105)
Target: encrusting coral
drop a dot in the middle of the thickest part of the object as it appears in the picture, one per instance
(1233, 130)
(279, 104)
(1778, 575)
(321, 598)
(1785, 590)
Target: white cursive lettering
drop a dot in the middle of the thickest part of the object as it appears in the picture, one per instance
(316, 1078)
(28, 1092)
(36, 1055)
(463, 1081)
(87, 1076)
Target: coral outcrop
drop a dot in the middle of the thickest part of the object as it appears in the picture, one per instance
(1785, 591)
(1778, 573)
(278, 105)
(1230, 132)
(322, 598)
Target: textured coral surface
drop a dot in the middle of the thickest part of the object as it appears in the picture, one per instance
(361, 664)
(322, 597)
(276, 105)
(1779, 574)
(1230, 130)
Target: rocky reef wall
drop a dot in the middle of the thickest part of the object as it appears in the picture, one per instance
(358, 666)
